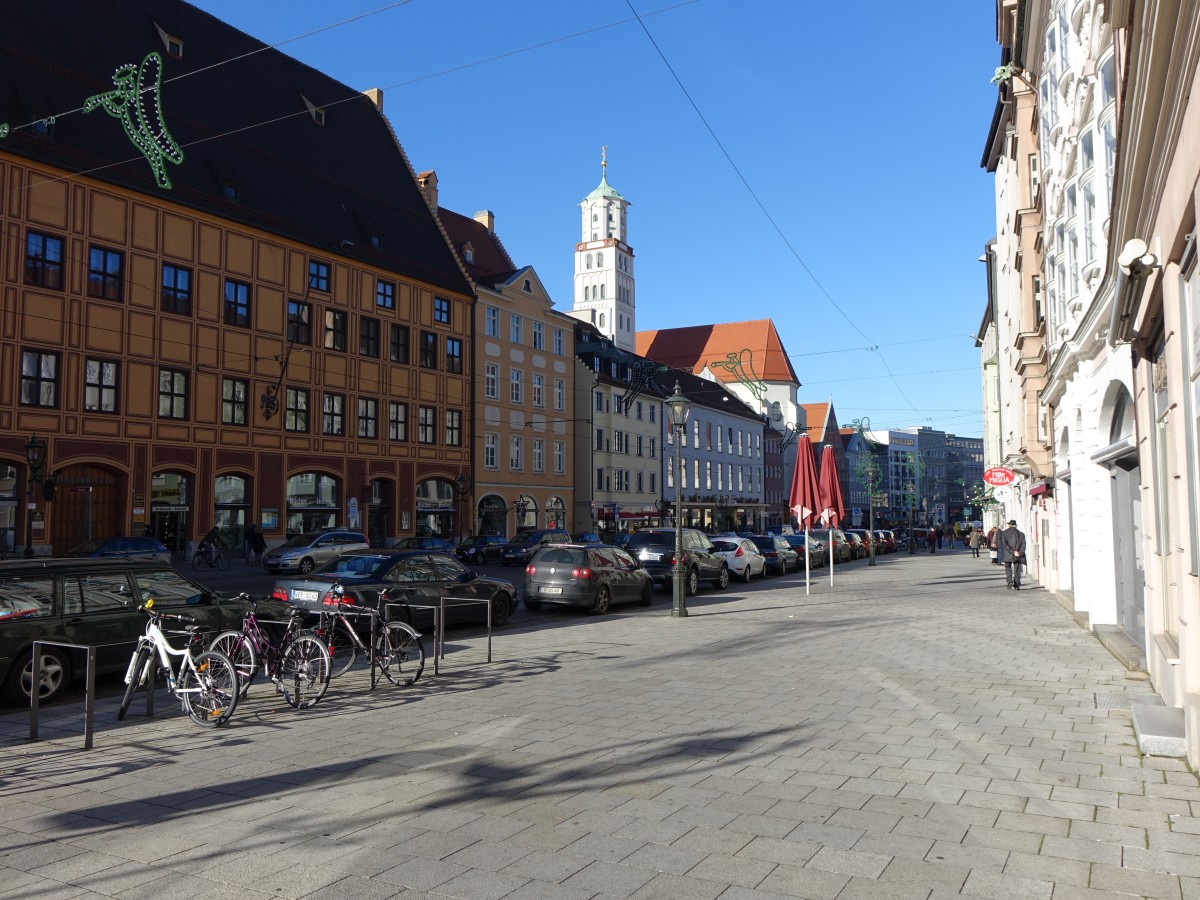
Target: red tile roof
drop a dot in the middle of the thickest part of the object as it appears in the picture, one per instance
(695, 347)
(819, 418)
(490, 256)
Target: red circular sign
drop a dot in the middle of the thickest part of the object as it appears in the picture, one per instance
(999, 476)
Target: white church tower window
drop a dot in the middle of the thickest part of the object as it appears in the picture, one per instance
(604, 282)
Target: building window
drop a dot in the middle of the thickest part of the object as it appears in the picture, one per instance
(104, 273)
(318, 276)
(454, 360)
(538, 385)
(539, 336)
(299, 322)
(490, 460)
(232, 191)
(43, 260)
(172, 394)
(560, 457)
(100, 386)
(176, 290)
(426, 423)
(560, 394)
(295, 414)
(441, 310)
(560, 342)
(599, 479)
(599, 401)
(333, 414)
(398, 349)
(453, 428)
(539, 455)
(515, 453)
(491, 381)
(233, 401)
(514, 328)
(368, 418)
(428, 350)
(653, 446)
(599, 438)
(491, 321)
(516, 386)
(398, 421)
(385, 294)
(237, 303)
(39, 378)
(368, 337)
(335, 329)
(653, 482)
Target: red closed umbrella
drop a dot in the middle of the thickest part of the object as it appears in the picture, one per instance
(829, 498)
(803, 498)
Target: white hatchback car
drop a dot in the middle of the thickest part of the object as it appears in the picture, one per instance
(745, 560)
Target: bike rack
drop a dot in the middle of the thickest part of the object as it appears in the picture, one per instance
(439, 623)
(89, 697)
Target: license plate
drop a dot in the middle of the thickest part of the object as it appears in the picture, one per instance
(306, 595)
(654, 557)
(551, 590)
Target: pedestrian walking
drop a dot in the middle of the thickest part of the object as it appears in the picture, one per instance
(1011, 544)
(256, 544)
(933, 539)
(991, 542)
(974, 540)
(940, 534)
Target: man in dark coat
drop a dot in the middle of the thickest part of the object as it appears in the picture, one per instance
(1011, 545)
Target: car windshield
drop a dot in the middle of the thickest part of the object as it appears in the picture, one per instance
(473, 542)
(302, 540)
(354, 566)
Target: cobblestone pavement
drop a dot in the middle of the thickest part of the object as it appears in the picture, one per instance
(917, 731)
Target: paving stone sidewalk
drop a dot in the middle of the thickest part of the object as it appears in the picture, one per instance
(917, 731)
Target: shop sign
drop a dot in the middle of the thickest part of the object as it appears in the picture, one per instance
(999, 476)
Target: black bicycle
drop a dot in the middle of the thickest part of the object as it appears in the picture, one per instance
(398, 652)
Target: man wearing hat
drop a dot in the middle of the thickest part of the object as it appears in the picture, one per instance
(1011, 544)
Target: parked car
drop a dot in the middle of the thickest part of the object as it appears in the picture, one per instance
(479, 549)
(655, 547)
(780, 556)
(887, 541)
(305, 552)
(586, 537)
(815, 550)
(866, 538)
(841, 549)
(441, 545)
(858, 550)
(520, 550)
(91, 601)
(742, 556)
(124, 548)
(413, 577)
(587, 575)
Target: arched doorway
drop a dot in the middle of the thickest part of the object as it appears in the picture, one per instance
(492, 514)
(232, 499)
(313, 502)
(1121, 458)
(8, 508)
(435, 508)
(379, 511)
(525, 512)
(170, 509)
(556, 513)
(85, 506)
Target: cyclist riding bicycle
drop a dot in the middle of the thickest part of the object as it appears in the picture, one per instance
(209, 544)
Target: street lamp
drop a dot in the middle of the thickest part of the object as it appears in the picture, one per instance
(462, 486)
(519, 506)
(663, 505)
(35, 455)
(678, 408)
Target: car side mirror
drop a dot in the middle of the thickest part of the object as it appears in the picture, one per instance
(469, 575)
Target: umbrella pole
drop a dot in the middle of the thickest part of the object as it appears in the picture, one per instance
(807, 565)
(831, 543)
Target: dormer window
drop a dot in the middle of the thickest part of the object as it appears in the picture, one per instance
(232, 192)
(528, 286)
(173, 45)
(318, 114)
(376, 241)
(468, 252)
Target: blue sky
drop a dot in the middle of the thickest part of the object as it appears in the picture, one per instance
(859, 128)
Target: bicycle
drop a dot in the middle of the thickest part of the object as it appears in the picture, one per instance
(398, 651)
(299, 664)
(206, 683)
(206, 557)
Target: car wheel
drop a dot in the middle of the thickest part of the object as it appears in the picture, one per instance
(763, 573)
(647, 594)
(746, 572)
(722, 580)
(56, 675)
(600, 604)
(531, 604)
(306, 565)
(691, 584)
(501, 608)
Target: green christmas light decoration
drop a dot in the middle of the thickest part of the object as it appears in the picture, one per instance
(741, 366)
(638, 379)
(3, 130)
(137, 102)
(791, 433)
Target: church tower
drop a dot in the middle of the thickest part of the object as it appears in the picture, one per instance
(604, 294)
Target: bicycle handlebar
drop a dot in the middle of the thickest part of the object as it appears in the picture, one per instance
(155, 614)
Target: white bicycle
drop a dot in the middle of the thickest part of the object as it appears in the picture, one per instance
(206, 683)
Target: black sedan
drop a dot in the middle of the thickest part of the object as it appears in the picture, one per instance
(481, 548)
(410, 577)
(587, 575)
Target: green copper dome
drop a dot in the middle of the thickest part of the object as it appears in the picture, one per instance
(604, 190)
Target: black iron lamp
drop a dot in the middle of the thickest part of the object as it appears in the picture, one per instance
(35, 455)
(678, 407)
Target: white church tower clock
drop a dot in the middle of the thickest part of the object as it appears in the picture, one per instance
(604, 292)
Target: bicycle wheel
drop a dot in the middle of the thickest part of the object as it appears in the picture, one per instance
(221, 562)
(199, 563)
(399, 654)
(343, 648)
(304, 671)
(141, 659)
(241, 652)
(209, 689)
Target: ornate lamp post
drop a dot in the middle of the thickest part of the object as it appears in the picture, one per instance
(663, 505)
(462, 486)
(519, 506)
(35, 455)
(678, 408)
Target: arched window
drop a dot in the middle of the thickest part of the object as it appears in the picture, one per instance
(601, 320)
(595, 218)
(601, 292)
(599, 260)
(232, 508)
(313, 502)
(589, 260)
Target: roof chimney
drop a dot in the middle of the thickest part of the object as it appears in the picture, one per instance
(375, 95)
(487, 219)
(428, 183)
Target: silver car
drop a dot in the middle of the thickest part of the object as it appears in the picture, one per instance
(304, 552)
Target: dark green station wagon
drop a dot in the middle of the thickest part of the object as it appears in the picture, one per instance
(90, 602)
